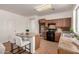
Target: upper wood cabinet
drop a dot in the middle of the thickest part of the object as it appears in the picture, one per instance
(59, 22)
(64, 23)
(42, 21)
(67, 22)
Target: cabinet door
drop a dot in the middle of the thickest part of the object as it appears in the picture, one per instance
(67, 22)
(59, 23)
(57, 36)
(37, 41)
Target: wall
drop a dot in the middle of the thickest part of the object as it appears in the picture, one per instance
(58, 15)
(76, 20)
(34, 22)
(9, 24)
(35, 25)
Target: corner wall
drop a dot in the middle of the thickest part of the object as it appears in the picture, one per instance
(64, 14)
(10, 24)
(34, 25)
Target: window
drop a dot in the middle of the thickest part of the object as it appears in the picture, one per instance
(77, 20)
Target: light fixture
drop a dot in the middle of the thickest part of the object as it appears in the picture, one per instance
(43, 7)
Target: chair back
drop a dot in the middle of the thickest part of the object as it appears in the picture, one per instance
(12, 40)
(18, 40)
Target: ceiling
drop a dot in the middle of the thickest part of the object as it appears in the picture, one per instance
(28, 9)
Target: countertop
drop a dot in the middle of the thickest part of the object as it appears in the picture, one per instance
(67, 43)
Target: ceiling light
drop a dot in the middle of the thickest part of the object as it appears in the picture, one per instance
(43, 7)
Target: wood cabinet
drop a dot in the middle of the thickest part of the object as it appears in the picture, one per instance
(67, 22)
(63, 23)
(59, 23)
(37, 41)
(57, 36)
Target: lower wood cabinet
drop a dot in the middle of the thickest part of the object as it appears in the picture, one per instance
(37, 41)
(57, 36)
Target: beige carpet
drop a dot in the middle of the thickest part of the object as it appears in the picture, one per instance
(47, 47)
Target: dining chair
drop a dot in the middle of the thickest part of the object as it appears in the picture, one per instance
(22, 44)
(2, 48)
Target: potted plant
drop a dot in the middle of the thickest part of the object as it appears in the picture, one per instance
(27, 31)
(71, 30)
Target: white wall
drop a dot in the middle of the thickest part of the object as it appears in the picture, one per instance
(58, 15)
(9, 24)
(34, 22)
(35, 25)
(76, 17)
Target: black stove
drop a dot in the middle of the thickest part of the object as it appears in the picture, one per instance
(51, 34)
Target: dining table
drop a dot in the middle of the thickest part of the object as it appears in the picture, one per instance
(30, 37)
